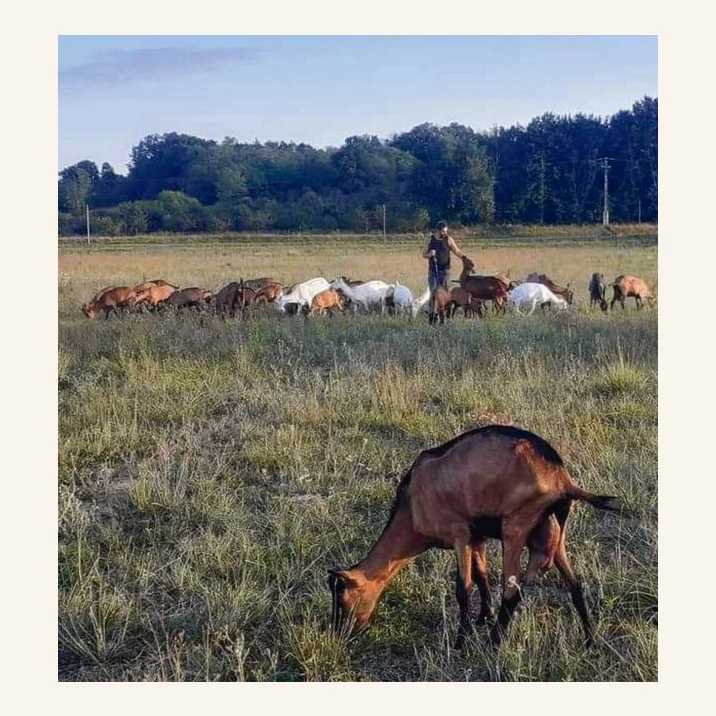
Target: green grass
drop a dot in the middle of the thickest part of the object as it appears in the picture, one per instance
(210, 473)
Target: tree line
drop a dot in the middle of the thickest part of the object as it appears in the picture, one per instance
(549, 172)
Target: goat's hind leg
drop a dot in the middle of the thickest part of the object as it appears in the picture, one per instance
(479, 570)
(561, 561)
(463, 585)
(542, 544)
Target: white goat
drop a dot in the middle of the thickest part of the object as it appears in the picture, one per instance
(532, 295)
(301, 293)
(366, 295)
(419, 302)
(402, 297)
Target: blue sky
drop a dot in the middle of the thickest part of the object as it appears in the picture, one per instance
(114, 90)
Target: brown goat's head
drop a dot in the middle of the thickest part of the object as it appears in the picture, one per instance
(88, 310)
(353, 600)
(467, 264)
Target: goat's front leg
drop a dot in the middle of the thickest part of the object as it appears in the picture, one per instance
(463, 586)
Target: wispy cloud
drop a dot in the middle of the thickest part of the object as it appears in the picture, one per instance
(160, 63)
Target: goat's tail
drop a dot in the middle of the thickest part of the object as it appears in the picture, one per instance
(601, 502)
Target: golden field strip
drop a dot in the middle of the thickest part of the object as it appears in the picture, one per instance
(210, 472)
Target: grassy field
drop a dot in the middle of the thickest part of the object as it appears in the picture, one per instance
(210, 473)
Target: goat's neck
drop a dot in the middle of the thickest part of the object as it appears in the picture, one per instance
(398, 544)
(348, 290)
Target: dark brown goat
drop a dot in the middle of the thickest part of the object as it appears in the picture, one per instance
(192, 297)
(110, 300)
(494, 482)
(469, 304)
(485, 288)
(566, 292)
(626, 286)
(232, 298)
(263, 290)
(598, 292)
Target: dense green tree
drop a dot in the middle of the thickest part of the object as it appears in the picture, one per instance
(75, 187)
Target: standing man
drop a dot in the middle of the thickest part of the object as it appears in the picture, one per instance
(438, 254)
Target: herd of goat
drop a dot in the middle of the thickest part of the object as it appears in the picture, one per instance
(318, 296)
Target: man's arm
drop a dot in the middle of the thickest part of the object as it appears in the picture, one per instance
(453, 247)
(428, 252)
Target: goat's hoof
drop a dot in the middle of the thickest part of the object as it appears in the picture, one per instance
(483, 618)
(496, 637)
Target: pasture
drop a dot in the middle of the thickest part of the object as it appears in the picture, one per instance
(211, 472)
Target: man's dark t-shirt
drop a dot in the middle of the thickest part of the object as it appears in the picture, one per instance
(442, 253)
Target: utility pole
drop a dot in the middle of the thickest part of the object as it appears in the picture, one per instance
(541, 214)
(384, 222)
(88, 229)
(605, 167)
(640, 211)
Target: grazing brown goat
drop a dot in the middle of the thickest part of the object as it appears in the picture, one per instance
(267, 293)
(329, 301)
(110, 300)
(267, 289)
(494, 482)
(193, 297)
(567, 293)
(626, 286)
(155, 282)
(469, 304)
(485, 288)
(598, 291)
(153, 294)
